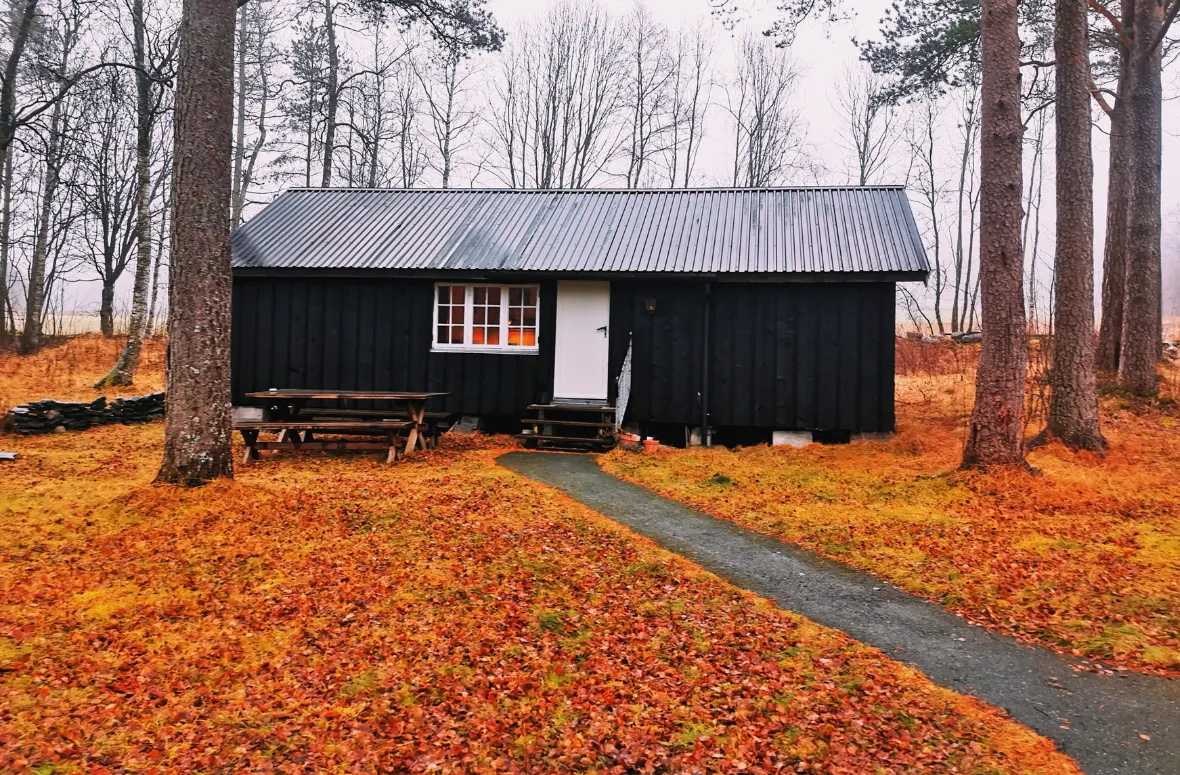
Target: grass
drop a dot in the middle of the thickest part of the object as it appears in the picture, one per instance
(1083, 558)
(334, 614)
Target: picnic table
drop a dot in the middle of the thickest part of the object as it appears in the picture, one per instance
(292, 417)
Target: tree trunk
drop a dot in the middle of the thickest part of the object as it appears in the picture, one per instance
(332, 96)
(1118, 193)
(150, 326)
(1139, 349)
(5, 238)
(1073, 406)
(197, 428)
(239, 193)
(106, 308)
(998, 417)
(30, 340)
(123, 372)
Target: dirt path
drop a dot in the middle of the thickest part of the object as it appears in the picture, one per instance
(1125, 724)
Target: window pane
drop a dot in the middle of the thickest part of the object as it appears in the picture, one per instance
(530, 316)
(456, 335)
(494, 296)
(514, 316)
(514, 296)
(477, 336)
(481, 294)
(444, 314)
(530, 297)
(457, 294)
(529, 338)
(442, 335)
(493, 316)
(493, 336)
(444, 293)
(457, 314)
(478, 315)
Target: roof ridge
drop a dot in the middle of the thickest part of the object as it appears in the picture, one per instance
(690, 190)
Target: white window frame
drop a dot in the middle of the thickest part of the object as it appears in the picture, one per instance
(468, 318)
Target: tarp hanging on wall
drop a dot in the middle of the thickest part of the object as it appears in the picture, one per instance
(624, 389)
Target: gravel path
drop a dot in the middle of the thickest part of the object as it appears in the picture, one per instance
(1120, 724)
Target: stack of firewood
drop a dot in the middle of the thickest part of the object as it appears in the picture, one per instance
(48, 416)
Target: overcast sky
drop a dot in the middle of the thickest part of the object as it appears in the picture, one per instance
(823, 56)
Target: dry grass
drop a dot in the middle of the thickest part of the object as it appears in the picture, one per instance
(67, 371)
(332, 614)
(1084, 558)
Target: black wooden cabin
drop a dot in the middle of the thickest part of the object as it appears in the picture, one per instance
(760, 310)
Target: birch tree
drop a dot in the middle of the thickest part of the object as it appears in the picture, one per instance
(647, 97)
(257, 87)
(768, 133)
(690, 100)
(561, 87)
(60, 38)
(153, 44)
(868, 131)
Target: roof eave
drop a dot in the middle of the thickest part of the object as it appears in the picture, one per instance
(475, 275)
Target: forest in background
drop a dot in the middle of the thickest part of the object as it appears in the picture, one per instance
(334, 93)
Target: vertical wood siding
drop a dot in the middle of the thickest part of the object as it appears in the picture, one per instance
(373, 334)
(782, 356)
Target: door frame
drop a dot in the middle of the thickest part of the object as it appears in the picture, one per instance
(557, 344)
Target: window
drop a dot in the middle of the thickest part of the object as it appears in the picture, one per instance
(482, 318)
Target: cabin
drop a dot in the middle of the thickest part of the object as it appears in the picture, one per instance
(740, 311)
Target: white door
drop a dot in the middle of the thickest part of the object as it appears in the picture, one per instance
(583, 341)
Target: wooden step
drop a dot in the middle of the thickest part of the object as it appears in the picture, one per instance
(576, 423)
(571, 408)
(572, 441)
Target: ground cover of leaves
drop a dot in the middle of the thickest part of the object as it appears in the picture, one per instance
(1083, 558)
(333, 614)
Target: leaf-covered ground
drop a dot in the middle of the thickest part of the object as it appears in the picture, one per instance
(333, 614)
(1084, 558)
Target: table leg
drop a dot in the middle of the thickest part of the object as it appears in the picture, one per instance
(250, 437)
(417, 411)
(412, 436)
(391, 458)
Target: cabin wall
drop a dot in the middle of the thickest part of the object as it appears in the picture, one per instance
(782, 355)
(373, 334)
(801, 356)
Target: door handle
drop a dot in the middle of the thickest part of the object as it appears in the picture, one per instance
(602, 329)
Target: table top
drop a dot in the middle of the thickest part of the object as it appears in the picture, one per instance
(345, 395)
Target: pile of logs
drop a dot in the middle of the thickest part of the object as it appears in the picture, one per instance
(48, 416)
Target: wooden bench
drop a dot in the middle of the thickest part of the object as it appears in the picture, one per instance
(395, 433)
(429, 428)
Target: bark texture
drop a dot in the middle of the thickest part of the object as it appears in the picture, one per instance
(1140, 346)
(5, 240)
(1118, 193)
(123, 372)
(30, 340)
(197, 427)
(1073, 407)
(332, 97)
(998, 417)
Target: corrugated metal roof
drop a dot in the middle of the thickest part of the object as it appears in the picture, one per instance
(695, 231)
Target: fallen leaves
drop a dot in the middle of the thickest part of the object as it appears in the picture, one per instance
(442, 615)
(1084, 558)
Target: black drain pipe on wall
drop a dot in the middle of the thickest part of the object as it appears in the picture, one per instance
(705, 440)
